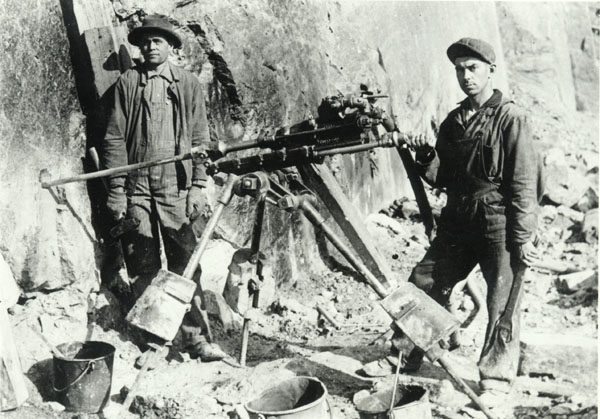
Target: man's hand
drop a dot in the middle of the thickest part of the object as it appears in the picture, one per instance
(418, 141)
(527, 253)
(196, 200)
(421, 143)
(117, 202)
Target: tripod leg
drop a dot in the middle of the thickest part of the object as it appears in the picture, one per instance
(320, 179)
(254, 291)
(199, 301)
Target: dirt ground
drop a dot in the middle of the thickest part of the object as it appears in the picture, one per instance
(289, 339)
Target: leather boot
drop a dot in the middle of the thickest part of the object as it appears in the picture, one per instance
(205, 350)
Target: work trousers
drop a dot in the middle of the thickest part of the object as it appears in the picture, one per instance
(160, 207)
(449, 260)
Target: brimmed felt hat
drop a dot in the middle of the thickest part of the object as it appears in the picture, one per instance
(155, 24)
(471, 47)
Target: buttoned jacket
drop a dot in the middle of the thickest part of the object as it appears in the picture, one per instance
(124, 142)
(489, 167)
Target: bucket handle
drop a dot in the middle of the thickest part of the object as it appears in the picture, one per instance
(89, 367)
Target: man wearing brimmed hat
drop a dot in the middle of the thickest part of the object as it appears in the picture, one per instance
(158, 112)
(485, 159)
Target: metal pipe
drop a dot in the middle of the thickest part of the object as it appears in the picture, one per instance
(280, 141)
(194, 152)
(444, 363)
(255, 258)
(318, 221)
(384, 142)
(223, 200)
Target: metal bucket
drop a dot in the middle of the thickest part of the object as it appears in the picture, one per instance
(297, 398)
(412, 402)
(82, 378)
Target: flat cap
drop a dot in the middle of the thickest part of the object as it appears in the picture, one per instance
(471, 47)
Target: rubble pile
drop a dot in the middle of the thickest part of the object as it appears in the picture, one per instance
(156, 408)
(558, 411)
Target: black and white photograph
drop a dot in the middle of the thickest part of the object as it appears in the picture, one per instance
(299, 209)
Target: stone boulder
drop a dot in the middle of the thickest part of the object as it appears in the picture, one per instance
(564, 185)
(560, 357)
(590, 226)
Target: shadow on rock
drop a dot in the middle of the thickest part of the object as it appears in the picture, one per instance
(42, 376)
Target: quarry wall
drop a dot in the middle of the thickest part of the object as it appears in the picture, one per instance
(265, 63)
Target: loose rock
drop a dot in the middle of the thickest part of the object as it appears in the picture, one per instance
(578, 280)
(590, 226)
(558, 356)
(588, 201)
(564, 185)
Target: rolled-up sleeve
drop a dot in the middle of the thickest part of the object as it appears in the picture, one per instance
(520, 176)
(114, 147)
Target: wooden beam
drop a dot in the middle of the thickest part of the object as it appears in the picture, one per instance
(91, 14)
(94, 34)
(99, 54)
(320, 179)
(110, 55)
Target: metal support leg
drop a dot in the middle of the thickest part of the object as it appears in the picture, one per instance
(254, 285)
(290, 202)
(199, 301)
(320, 179)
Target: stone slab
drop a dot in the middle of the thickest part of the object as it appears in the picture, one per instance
(560, 356)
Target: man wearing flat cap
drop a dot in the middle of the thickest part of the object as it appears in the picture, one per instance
(158, 112)
(485, 159)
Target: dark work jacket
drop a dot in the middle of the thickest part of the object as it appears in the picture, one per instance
(490, 170)
(124, 142)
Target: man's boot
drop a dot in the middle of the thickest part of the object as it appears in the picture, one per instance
(206, 351)
(495, 393)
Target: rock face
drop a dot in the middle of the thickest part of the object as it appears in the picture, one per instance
(266, 64)
(535, 39)
(47, 240)
(286, 59)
